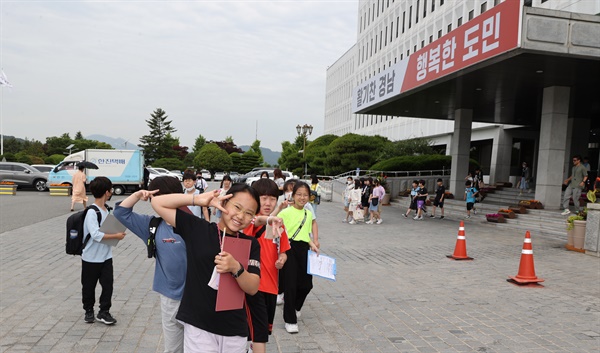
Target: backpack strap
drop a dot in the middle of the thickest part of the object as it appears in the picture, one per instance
(152, 227)
(260, 232)
(99, 215)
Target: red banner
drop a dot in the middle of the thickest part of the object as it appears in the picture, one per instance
(492, 33)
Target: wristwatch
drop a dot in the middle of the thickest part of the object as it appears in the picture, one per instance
(238, 273)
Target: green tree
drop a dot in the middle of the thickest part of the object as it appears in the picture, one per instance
(353, 151)
(159, 143)
(58, 145)
(316, 154)
(78, 135)
(255, 147)
(33, 148)
(236, 159)
(291, 158)
(54, 159)
(229, 139)
(199, 143)
(415, 146)
(12, 145)
(212, 158)
(249, 160)
(169, 163)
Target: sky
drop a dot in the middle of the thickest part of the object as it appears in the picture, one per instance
(215, 67)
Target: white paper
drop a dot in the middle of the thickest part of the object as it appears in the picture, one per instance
(111, 225)
(322, 265)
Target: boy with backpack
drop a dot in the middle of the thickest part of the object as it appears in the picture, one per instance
(96, 257)
(169, 250)
(470, 197)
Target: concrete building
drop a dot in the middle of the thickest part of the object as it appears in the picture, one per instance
(500, 81)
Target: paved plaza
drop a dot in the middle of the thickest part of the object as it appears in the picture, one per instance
(395, 291)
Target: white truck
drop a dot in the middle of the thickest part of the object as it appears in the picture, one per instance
(125, 168)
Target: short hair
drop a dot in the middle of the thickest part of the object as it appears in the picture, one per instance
(376, 182)
(188, 176)
(300, 185)
(241, 187)
(422, 181)
(577, 156)
(99, 186)
(440, 180)
(289, 182)
(415, 182)
(81, 168)
(266, 187)
(165, 185)
(468, 183)
(277, 173)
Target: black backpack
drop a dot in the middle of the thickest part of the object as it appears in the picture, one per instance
(75, 243)
(151, 245)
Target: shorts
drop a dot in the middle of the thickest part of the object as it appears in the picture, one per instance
(373, 208)
(470, 205)
(438, 203)
(346, 202)
(413, 205)
(262, 313)
(420, 203)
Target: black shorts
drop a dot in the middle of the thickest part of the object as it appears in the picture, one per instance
(438, 203)
(413, 204)
(470, 205)
(262, 313)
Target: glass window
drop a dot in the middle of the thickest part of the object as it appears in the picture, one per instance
(441, 2)
(459, 23)
(439, 34)
(449, 28)
(471, 14)
(425, 8)
(483, 7)
(403, 20)
(410, 17)
(417, 13)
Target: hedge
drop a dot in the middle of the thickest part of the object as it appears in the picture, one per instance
(421, 162)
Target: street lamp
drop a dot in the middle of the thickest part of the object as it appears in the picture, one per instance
(304, 131)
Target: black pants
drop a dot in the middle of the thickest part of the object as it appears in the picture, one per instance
(91, 273)
(297, 282)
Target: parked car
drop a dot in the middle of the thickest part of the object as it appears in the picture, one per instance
(23, 175)
(234, 176)
(153, 173)
(164, 171)
(252, 179)
(44, 168)
(219, 176)
(242, 178)
(206, 174)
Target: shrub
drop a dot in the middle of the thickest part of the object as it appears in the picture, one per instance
(422, 162)
(169, 164)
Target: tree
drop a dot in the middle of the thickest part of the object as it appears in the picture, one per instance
(291, 158)
(236, 159)
(248, 161)
(229, 139)
(353, 151)
(316, 154)
(169, 163)
(78, 136)
(256, 148)
(199, 143)
(159, 143)
(212, 158)
(415, 146)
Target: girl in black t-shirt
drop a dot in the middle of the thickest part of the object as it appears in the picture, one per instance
(206, 329)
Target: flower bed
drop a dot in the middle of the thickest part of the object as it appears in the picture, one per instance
(8, 188)
(448, 195)
(518, 209)
(506, 213)
(531, 204)
(60, 189)
(495, 218)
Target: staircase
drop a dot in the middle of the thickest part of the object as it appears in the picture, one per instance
(545, 222)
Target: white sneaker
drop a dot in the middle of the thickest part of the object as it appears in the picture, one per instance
(379, 221)
(344, 220)
(467, 217)
(279, 299)
(420, 218)
(369, 222)
(474, 211)
(291, 328)
(352, 222)
(566, 212)
(416, 217)
(250, 350)
(298, 314)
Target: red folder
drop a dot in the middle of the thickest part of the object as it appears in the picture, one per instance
(230, 296)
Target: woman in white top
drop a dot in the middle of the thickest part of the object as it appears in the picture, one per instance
(279, 179)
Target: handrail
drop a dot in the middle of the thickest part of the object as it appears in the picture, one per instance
(367, 173)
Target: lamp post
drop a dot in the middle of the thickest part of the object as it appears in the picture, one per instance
(304, 131)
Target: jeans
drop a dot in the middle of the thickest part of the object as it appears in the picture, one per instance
(574, 192)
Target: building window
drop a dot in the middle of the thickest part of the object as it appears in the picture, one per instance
(361, 25)
(417, 12)
(403, 20)
(415, 49)
(471, 14)
(496, 2)
(422, 43)
(432, 5)
(483, 7)
(380, 39)
(373, 16)
(430, 39)
(449, 28)
(425, 8)
(441, 2)
(369, 17)
(459, 23)
(386, 35)
(408, 53)
(391, 31)
(410, 17)
(401, 56)
(439, 34)
(376, 44)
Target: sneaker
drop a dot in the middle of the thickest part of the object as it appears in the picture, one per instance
(291, 328)
(298, 314)
(566, 212)
(344, 220)
(405, 216)
(106, 318)
(431, 216)
(89, 316)
(467, 217)
(420, 218)
(369, 222)
(416, 217)
(280, 299)
(250, 348)
(441, 217)
(474, 211)
(352, 222)
(379, 221)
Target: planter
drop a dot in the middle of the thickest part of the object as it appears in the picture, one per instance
(499, 219)
(510, 215)
(60, 190)
(526, 204)
(8, 190)
(518, 209)
(579, 234)
(386, 199)
(570, 236)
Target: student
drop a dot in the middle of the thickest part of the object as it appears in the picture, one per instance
(207, 330)
(421, 199)
(314, 186)
(355, 201)
(279, 178)
(201, 184)
(264, 175)
(470, 194)
(375, 202)
(190, 189)
(170, 264)
(96, 258)
(413, 198)
(347, 191)
(298, 284)
(440, 193)
(272, 258)
(225, 186)
(366, 194)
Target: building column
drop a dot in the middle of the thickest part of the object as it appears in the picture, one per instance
(501, 154)
(552, 146)
(459, 149)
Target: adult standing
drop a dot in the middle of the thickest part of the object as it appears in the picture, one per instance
(279, 179)
(575, 183)
(78, 182)
(525, 175)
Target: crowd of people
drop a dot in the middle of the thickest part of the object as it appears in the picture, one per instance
(278, 218)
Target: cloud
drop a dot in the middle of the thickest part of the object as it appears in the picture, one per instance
(215, 67)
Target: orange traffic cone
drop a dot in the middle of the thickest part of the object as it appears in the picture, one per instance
(460, 250)
(526, 269)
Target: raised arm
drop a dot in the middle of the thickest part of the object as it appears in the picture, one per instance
(166, 205)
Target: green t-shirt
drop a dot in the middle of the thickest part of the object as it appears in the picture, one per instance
(579, 172)
(292, 218)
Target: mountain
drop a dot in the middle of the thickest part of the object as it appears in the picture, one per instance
(269, 156)
(117, 143)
